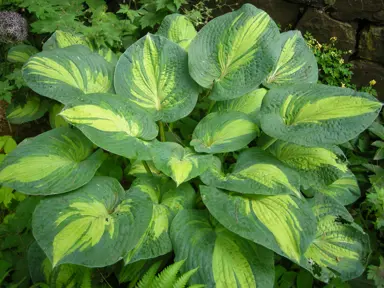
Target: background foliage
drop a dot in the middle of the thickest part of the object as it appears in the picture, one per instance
(117, 29)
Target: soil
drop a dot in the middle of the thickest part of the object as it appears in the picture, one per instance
(4, 127)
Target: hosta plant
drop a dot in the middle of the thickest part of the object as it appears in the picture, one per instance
(239, 145)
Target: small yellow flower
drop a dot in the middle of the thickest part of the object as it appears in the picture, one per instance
(342, 85)
(333, 39)
(341, 61)
(372, 82)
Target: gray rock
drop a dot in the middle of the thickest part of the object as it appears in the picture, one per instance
(348, 10)
(323, 27)
(312, 3)
(365, 71)
(371, 44)
(284, 13)
(13, 27)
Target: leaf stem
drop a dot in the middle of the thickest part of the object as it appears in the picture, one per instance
(265, 141)
(211, 106)
(162, 133)
(146, 166)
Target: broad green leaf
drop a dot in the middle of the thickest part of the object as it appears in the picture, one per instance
(55, 120)
(282, 223)
(234, 53)
(108, 55)
(113, 124)
(35, 108)
(317, 115)
(178, 29)
(167, 202)
(345, 190)
(7, 144)
(54, 162)
(6, 196)
(249, 104)
(40, 268)
(221, 132)
(61, 39)
(94, 226)
(177, 162)
(318, 167)
(255, 172)
(137, 168)
(224, 259)
(62, 276)
(340, 248)
(153, 73)
(21, 53)
(296, 64)
(68, 74)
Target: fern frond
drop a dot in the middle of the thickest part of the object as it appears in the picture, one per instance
(167, 277)
(197, 286)
(148, 278)
(183, 279)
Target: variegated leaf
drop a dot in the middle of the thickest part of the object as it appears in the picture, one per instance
(54, 162)
(153, 73)
(341, 248)
(282, 223)
(177, 162)
(234, 53)
(62, 39)
(94, 226)
(167, 200)
(66, 275)
(221, 132)
(249, 104)
(318, 167)
(68, 74)
(296, 64)
(21, 53)
(178, 29)
(255, 172)
(33, 109)
(317, 115)
(224, 259)
(345, 190)
(55, 120)
(113, 124)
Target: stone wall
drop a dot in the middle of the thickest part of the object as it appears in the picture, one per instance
(357, 24)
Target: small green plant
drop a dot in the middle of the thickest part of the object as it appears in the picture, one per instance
(168, 277)
(376, 273)
(333, 69)
(243, 139)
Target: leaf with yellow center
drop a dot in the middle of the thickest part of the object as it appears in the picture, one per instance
(93, 226)
(282, 223)
(224, 258)
(153, 74)
(113, 124)
(315, 115)
(68, 74)
(340, 248)
(234, 53)
(255, 172)
(318, 167)
(167, 200)
(54, 162)
(181, 164)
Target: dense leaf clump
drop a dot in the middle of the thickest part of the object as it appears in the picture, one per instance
(232, 147)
